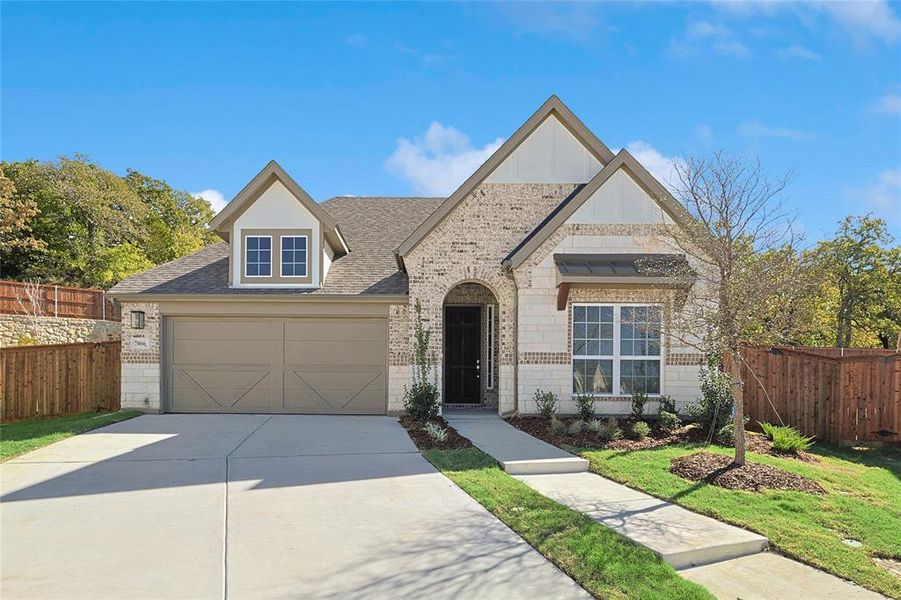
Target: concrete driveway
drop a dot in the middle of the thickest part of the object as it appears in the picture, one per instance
(250, 506)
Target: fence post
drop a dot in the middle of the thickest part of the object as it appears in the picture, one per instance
(55, 300)
(103, 305)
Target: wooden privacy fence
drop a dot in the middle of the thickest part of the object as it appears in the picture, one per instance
(64, 379)
(840, 399)
(59, 301)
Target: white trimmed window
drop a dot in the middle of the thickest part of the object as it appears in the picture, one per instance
(616, 349)
(258, 256)
(294, 256)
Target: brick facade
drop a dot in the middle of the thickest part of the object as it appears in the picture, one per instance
(141, 366)
(468, 246)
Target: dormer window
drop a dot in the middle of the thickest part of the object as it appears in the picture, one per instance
(258, 260)
(294, 255)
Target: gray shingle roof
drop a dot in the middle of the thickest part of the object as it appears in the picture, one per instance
(372, 226)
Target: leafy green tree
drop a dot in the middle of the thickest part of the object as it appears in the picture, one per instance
(92, 227)
(176, 222)
(863, 271)
(16, 214)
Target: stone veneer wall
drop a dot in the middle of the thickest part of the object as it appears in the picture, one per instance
(544, 338)
(469, 246)
(399, 355)
(141, 367)
(57, 330)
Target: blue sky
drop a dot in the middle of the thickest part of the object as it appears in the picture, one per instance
(405, 99)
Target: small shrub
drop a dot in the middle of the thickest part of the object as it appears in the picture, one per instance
(576, 427)
(422, 398)
(594, 425)
(639, 430)
(557, 426)
(786, 439)
(667, 404)
(714, 408)
(585, 406)
(610, 430)
(546, 403)
(639, 400)
(669, 420)
(436, 432)
(725, 435)
(767, 429)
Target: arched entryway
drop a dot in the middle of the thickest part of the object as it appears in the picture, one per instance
(470, 376)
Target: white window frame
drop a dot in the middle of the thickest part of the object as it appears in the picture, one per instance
(489, 355)
(617, 355)
(281, 247)
(271, 250)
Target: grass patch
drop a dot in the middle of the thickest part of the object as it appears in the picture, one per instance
(19, 437)
(862, 502)
(600, 560)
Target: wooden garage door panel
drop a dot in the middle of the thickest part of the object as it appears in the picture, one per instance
(221, 352)
(331, 391)
(335, 353)
(338, 330)
(221, 329)
(218, 390)
(326, 366)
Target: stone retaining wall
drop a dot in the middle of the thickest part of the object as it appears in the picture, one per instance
(57, 330)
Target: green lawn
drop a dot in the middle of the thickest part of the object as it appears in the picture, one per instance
(603, 562)
(863, 502)
(19, 437)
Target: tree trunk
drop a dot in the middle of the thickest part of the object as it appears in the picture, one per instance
(738, 400)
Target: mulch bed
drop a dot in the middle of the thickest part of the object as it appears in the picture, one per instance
(454, 440)
(538, 427)
(719, 470)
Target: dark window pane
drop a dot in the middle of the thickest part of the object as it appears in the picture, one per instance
(593, 347)
(252, 243)
(580, 330)
(594, 314)
(265, 243)
(579, 347)
(607, 314)
(578, 313)
(253, 269)
(594, 331)
(606, 348)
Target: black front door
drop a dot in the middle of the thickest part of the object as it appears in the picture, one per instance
(462, 351)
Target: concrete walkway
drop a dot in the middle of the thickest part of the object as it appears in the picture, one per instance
(251, 506)
(728, 561)
(681, 537)
(518, 452)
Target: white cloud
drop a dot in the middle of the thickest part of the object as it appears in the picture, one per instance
(756, 129)
(660, 166)
(701, 35)
(214, 197)
(576, 21)
(440, 161)
(884, 196)
(798, 51)
(889, 104)
(864, 20)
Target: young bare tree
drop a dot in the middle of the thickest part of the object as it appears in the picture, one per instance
(737, 238)
(32, 304)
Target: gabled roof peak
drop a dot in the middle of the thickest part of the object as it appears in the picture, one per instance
(553, 105)
(272, 172)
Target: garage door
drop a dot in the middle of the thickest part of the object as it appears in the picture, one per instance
(305, 365)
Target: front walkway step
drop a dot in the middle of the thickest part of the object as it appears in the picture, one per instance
(769, 575)
(518, 452)
(681, 537)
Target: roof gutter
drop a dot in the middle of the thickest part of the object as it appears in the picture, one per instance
(354, 299)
